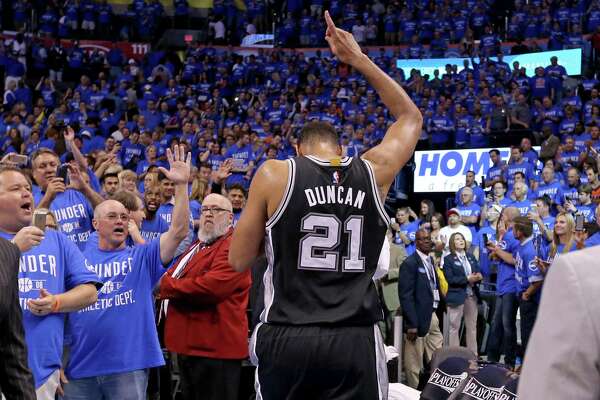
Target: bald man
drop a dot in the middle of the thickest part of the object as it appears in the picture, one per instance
(207, 302)
(114, 341)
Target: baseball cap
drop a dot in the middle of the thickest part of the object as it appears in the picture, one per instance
(452, 211)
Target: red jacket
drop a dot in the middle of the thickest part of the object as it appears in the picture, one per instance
(207, 305)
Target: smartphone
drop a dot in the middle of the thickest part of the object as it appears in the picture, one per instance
(486, 239)
(63, 172)
(39, 219)
(579, 220)
(18, 159)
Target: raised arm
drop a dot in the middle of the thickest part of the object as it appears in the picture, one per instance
(400, 140)
(179, 173)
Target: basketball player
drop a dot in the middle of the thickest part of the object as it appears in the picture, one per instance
(325, 229)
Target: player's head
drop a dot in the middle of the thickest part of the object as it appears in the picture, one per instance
(16, 200)
(318, 135)
(216, 217)
(111, 220)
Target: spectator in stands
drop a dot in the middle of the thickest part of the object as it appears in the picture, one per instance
(205, 294)
(550, 144)
(543, 222)
(50, 258)
(529, 277)
(152, 225)
(486, 234)
(521, 202)
(503, 336)
(73, 208)
(469, 211)
(454, 226)
(498, 121)
(237, 195)
(585, 205)
(462, 272)
(477, 191)
(496, 171)
(550, 187)
(119, 361)
(419, 298)
(518, 164)
(110, 184)
(404, 230)
(563, 240)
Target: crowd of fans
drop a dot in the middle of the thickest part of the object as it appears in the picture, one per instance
(113, 120)
(383, 21)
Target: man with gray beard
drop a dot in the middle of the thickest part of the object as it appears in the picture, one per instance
(205, 303)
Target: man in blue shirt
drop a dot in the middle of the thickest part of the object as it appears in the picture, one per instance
(522, 202)
(503, 330)
(237, 195)
(518, 164)
(243, 161)
(529, 277)
(550, 187)
(153, 224)
(469, 211)
(72, 208)
(106, 361)
(496, 172)
(53, 280)
(543, 222)
(478, 193)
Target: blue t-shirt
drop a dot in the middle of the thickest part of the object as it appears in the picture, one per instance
(484, 260)
(472, 210)
(524, 167)
(73, 214)
(118, 333)
(153, 228)
(56, 265)
(526, 270)
(524, 206)
(553, 190)
(410, 230)
(506, 282)
(548, 223)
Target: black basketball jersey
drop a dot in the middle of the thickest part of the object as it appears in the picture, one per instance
(324, 244)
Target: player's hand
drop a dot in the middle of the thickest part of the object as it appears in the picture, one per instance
(411, 334)
(28, 237)
(180, 166)
(43, 305)
(55, 186)
(342, 43)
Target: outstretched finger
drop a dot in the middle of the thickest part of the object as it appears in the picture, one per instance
(169, 156)
(188, 159)
(329, 21)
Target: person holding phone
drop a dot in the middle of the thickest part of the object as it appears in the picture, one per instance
(563, 240)
(529, 277)
(462, 272)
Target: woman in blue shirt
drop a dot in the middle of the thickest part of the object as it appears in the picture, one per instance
(463, 275)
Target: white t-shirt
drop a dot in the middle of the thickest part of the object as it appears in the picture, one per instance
(447, 231)
(219, 28)
(359, 32)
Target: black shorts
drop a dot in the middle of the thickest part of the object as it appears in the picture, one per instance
(312, 363)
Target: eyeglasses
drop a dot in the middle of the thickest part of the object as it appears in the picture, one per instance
(213, 210)
(115, 217)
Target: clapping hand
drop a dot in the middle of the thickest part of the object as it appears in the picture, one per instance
(180, 166)
(43, 305)
(224, 171)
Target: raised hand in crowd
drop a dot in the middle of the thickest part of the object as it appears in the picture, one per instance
(219, 176)
(56, 185)
(179, 165)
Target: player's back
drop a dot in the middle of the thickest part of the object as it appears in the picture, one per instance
(323, 245)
